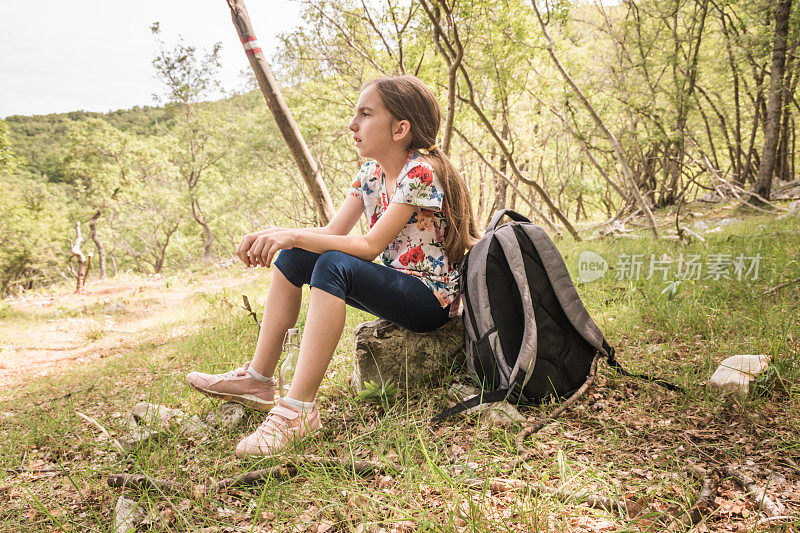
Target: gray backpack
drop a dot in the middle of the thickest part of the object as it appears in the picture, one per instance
(528, 335)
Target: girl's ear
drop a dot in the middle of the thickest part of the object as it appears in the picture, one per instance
(401, 130)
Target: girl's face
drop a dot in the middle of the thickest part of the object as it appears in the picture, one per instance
(375, 131)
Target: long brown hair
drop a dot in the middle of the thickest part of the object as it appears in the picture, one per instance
(408, 98)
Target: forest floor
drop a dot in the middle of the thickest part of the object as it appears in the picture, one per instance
(131, 339)
(45, 333)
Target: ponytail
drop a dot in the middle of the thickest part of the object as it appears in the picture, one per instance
(461, 232)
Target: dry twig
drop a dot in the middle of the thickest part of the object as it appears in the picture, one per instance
(708, 489)
(249, 309)
(289, 469)
(539, 424)
(122, 451)
(781, 286)
(754, 492)
(361, 468)
(49, 470)
(292, 467)
(144, 482)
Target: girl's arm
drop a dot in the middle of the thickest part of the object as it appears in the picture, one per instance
(366, 247)
(341, 224)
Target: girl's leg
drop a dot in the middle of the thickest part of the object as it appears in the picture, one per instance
(280, 313)
(339, 278)
(324, 325)
(246, 385)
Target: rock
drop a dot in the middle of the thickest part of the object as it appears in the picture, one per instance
(700, 225)
(194, 427)
(151, 414)
(736, 373)
(128, 515)
(229, 415)
(793, 210)
(150, 420)
(727, 222)
(114, 308)
(131, 421)
(502, 413)
(617, 230)
(470, 469)
(386, 352)
(140, 435)
(711, 198)
(461, 391)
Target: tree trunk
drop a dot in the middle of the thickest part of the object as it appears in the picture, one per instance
(783, 171)
(101, 251)
(737, 158)
(685, 92)
(161, 252)
(767, 167)
(280, 111)
(200, 218)
(500, 185)
(84, 263)
(747, 174)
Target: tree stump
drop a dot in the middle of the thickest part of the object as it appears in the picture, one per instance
(385, 352)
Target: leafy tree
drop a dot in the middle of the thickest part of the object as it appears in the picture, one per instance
(99, 167)
(35, 217)
(147, 217)
(8, 159)
(200, 139)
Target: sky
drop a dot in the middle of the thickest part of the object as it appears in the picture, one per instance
(92, 55)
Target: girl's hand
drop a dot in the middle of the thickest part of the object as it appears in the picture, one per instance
(244, 247)
(247, 243)
(266, 246)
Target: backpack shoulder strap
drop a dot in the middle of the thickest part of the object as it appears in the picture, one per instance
(479, 321)
(527, 351)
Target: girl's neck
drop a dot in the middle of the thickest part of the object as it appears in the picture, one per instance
(393, 162)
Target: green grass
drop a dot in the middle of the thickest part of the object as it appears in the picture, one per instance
(626, 438)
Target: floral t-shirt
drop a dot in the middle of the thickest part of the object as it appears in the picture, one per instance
(419, 247)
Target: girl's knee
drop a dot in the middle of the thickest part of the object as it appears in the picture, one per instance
(337, 263)
(333, 260)
(296, 265)
(333, 272)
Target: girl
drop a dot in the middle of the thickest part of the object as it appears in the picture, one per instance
(421, 224)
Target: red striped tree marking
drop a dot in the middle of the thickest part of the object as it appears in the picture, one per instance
(250, 45)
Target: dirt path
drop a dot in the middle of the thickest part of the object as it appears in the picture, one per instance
(46, 334)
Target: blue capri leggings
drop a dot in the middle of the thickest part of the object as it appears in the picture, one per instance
(383, 291)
